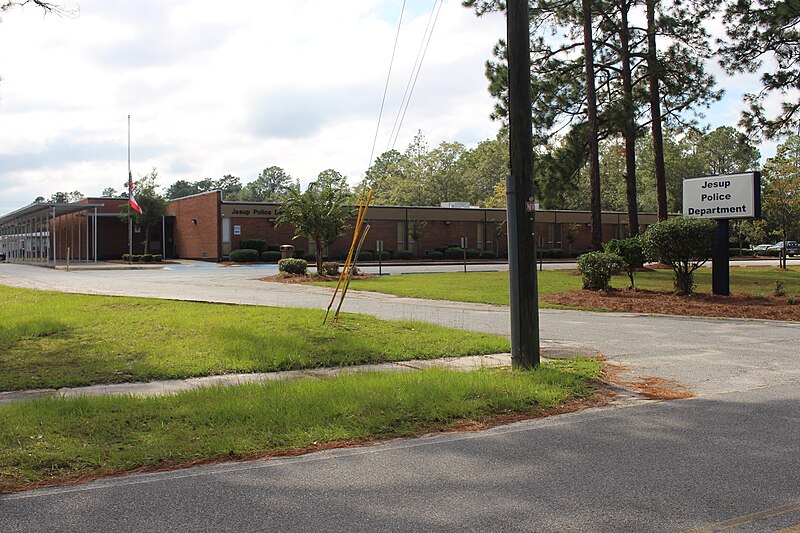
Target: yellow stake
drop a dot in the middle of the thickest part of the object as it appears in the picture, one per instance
(349, 274)
(362, 211)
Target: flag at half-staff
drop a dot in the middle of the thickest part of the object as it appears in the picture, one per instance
(131, 199)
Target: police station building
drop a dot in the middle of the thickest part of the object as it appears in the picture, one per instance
(205, 227)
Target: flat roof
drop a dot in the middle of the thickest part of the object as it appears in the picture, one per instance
(46, 208)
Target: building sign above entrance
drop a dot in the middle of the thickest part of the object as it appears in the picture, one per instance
(725, 196)
(249, 211)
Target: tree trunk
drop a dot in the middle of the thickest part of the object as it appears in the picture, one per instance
(629, 121)
(654, 72)
(591, 122)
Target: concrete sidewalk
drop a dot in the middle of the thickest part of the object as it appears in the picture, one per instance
(161, 388)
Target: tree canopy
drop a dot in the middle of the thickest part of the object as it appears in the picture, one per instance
(320, 213)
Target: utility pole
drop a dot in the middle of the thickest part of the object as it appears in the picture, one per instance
(519, 194)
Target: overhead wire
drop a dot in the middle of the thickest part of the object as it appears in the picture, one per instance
(412, 80)
(386, 87)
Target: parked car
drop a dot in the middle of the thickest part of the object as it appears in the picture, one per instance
(792, 248)
(760, 248)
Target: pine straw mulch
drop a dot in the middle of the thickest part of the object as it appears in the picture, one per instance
(667, 303)
(292, 278)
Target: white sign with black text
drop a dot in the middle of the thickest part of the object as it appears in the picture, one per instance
(724, 196)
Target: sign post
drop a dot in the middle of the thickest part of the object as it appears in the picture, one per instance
(379, 248)
(722, 198)
(464, 249)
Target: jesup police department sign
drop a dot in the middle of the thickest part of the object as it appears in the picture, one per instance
(725, 196)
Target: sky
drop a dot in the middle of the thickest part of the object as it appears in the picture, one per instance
(214, 91)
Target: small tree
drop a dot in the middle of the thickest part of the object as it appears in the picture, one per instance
(631, 250)
(781, 198)
(320, 213)
(684, 243)
(153, 205)
(416, 229)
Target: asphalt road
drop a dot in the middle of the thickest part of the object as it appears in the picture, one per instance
(726, 459)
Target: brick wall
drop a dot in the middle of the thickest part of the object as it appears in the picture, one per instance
(197, 226)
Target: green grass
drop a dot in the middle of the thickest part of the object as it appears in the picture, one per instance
(756, 281)
(52, 439)
(51, 339)
(492, 287)
(476, 287)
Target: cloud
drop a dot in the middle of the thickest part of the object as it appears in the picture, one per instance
(293, 113)
(63, 151)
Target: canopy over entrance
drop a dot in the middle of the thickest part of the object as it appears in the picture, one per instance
(31, 234)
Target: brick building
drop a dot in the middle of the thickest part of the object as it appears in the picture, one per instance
(203, 226)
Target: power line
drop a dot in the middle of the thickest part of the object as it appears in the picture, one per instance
(412, 80)
(386, 87)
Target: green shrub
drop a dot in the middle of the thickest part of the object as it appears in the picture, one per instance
(683, 242)
(293, 266)
(252, 243)
(311, 258)
(473, 253)
(454, 252)
(436, 255)
(631, 250)
(272, 248)
(299, 253)
(126, 257)
(596, 269)
(245, 255)
(270, 256)
(365, 255)
(489, 254)
(551, 253)
(136, 258)
(386, 254)
(147, 258)
(330, 268)
(405, 254)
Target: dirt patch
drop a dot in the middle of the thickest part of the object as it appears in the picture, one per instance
(667, 303)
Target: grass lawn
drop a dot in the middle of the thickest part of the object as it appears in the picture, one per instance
(52, 339)
(492, 287)
(53, 439)
(477, 287)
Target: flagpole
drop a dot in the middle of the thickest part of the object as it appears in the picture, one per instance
(130, 192)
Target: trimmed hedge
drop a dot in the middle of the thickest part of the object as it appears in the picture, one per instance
(488, 254)
(435, 255)
(252, 243)
(330, 268)
(245, 255)
(143, 258)
(293, 266)
(299, 253)
(270, 256)
(454, 252)
(551, 253)
(365, 255)
(405, 254)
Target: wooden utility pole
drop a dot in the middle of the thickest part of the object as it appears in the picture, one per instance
(519, 194)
